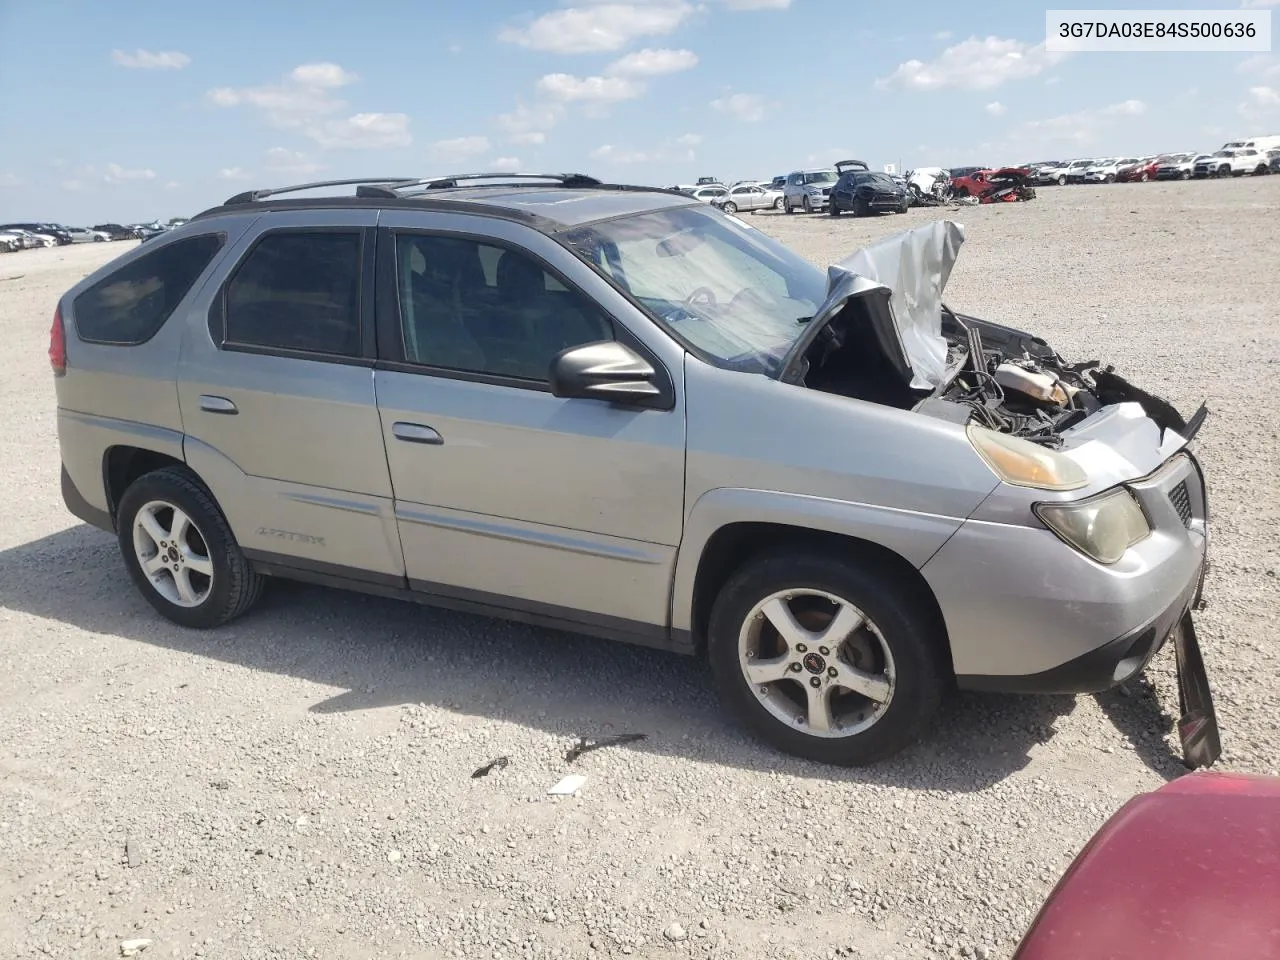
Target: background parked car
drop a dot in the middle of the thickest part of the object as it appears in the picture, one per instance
(1274, 164)
(1140, 172)
(85, 235)
(1106, 171)
(1179, 166)
(808, 189)
(864, 191)
(116, 231)
(1076, 169)
(710, 194)
(1229, 163)
(11, 241)
(1049, 173)
(58, 233)
(750, 196)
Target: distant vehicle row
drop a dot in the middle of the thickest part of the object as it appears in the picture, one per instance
(32, 235)
(1257, 156)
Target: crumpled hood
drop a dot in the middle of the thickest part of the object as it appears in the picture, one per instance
(903, 277)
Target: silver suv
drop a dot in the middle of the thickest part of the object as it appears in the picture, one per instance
(808, 190)
(619, 411)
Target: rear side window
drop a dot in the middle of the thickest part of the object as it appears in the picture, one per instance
(132, 304)
(298, 291)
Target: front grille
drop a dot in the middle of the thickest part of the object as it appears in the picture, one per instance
(826, 192)
(1181, 501)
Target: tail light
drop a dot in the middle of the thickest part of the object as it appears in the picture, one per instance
(58, 345)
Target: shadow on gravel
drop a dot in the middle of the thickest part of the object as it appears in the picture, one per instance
(1136, 711)
(388, 653)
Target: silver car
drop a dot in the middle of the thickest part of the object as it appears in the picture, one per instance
(624, 413)
(750, 196)
(808, 190)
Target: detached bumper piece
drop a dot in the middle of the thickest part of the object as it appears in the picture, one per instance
(1198, 724)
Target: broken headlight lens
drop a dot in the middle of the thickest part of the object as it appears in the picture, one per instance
(1102, 527)
(1026, 464)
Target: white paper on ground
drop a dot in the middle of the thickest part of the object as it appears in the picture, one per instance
(568, 786)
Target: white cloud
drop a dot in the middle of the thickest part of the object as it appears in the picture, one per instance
(233, 173)
(1067, 130)
(611, 154)
(291, 161)
(996, 108)
(1257, 4)
(505, 165)
(1262, 65)
(529, 125)
(598, 27)
(689, 140)
(562, 86)
(116, 174)
(304, 100)
(743, 106)
(652, 63)
(1262, 104)
(146, 60)
(973, 64)
(459, 148)
(364, 131)
(9, 180)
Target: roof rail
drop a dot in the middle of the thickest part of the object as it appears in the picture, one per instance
(250, 196)
(456, 179)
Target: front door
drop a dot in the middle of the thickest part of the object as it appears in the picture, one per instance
(567, 511)
(277, 398)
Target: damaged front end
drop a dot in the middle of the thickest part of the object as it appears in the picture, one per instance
(884, 335)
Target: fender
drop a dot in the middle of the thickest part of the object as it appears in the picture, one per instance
(912, 535)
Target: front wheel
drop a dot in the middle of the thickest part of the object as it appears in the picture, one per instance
(777, 204)
(730, 207)
(181, 552)
(833, 209)
(806, 205)
(1062, 180)
(1185, 175)
(826, 659)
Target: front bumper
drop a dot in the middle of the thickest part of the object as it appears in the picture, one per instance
(1027, 613)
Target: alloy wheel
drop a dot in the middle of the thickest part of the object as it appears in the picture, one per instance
(817, 663)
(173, 554)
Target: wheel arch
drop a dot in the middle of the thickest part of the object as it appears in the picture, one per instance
(729, 527)
(122, 464)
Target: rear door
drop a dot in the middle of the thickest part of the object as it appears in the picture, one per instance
(277, 401)
(564, 510)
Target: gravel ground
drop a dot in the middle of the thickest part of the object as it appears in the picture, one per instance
(298, 783)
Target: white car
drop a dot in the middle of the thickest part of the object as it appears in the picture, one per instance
(1231, 163)
(1179, 166)
(11, 241)
(809, 189)
(710, 193)
(1104, 171)
(750, 196)
(38, 239)
(85, 235)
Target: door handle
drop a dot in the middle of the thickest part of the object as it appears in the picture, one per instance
(415, 433)
(212, 404)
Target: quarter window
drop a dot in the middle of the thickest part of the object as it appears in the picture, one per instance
(132, 304)
(298, 291)
(477, 308)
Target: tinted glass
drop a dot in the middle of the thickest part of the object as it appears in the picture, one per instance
(298, 291)
(132, 304)
(478, 308)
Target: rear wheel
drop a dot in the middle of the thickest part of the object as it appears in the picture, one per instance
(181, 552)
(826, 659)
(777, 204)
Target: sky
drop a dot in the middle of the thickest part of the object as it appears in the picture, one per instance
(137, 109)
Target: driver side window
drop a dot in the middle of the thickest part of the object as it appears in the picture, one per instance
(478, 308)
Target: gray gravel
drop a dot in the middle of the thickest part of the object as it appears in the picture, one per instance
(298, 783)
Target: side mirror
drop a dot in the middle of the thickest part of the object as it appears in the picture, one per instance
(606, 370)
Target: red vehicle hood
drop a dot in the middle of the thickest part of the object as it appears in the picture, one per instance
(1189, 872)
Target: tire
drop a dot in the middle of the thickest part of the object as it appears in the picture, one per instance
(832, 208)
(896, 635)
(1185, 175)
(1144, 178)
(1109, 178)
(860, 208)
(1062, 180)
(730, 207)
(787, 208)
(806, 205)
(905, 206)
(99, 239)
(777, 204)
(231, 587)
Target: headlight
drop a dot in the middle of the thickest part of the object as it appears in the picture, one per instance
(1026, 464)
(1102, 527)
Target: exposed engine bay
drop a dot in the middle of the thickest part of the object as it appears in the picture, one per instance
(885, 335)
(997, 377)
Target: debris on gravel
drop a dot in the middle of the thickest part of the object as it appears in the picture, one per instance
(298, 783)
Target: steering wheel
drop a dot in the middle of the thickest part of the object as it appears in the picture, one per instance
(708, 296)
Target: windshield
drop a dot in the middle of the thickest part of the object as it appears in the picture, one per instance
(724, 289)
(822, 176)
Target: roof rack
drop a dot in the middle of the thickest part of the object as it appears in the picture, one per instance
(456, 179)
(250, 196)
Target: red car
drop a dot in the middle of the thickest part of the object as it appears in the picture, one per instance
(1140, 172)
(1188, 872)
(1007, 184)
